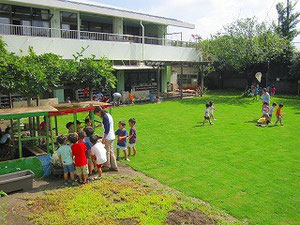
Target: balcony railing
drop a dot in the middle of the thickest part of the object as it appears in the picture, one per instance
(20, 30)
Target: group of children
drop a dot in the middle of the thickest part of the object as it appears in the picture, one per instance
(258, 91)
(267, 114)
(209, 113)
(82, 151)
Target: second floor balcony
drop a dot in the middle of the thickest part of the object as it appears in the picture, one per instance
(32, 31)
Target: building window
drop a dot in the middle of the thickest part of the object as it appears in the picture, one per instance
(69, 25)
(24, 18)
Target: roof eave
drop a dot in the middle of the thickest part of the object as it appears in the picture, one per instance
(71, 6)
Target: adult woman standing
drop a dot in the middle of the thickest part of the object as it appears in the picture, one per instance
(108, 139)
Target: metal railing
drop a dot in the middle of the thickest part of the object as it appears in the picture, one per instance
(20, 30)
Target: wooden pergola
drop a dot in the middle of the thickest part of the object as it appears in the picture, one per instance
(34, 114)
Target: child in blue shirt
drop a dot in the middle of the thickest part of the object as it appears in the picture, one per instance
(122, 140)
(66, 158)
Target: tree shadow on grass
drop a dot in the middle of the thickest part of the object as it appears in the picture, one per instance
(229, 99)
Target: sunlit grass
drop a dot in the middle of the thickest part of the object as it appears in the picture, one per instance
(110, 201)
(249, 171)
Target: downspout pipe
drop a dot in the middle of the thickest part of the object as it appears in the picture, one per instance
(143, 41)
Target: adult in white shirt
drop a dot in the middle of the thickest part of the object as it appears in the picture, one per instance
(108, 139)
(266, 96)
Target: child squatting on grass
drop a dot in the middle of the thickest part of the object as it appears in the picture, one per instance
(279, 114)
(78, 151)
(98, 153)
(206, 115)
(66, 158)
(132, 137)
(122, 140)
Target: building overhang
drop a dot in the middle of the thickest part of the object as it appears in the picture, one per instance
(101, 9)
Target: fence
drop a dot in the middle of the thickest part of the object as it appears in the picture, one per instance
(20, 30)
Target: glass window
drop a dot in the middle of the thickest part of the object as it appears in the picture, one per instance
(40, 14)
(19, 12)
(69, 20)
(4, 20)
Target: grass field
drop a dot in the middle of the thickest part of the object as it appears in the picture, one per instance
(248, 171)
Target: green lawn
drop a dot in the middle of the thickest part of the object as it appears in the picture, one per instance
(250, 172)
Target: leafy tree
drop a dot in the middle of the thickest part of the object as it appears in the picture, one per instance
(295, 67)
(287, 20)
(246, 46)
(7, 72)
(36, 74)
(90, 73)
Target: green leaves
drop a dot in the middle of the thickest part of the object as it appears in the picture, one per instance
(245, 45)
(287, 20)
(33, 75)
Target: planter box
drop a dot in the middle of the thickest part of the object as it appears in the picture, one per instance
(17, 181)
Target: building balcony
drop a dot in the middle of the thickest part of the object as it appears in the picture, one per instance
(113, 46)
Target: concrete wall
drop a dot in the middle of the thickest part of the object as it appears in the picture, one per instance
(112, 50)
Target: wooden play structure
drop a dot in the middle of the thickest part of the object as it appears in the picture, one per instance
(32, 143)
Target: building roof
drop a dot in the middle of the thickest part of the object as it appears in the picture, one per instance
(88, 6)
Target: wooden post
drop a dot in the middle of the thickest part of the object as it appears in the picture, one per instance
(38, 128)
(75, 122)
(19, 139)
(202, 80)
(181, 83)
(47, 134)
(12, 133)
(56, 127)
(93, 119)
(52, 136)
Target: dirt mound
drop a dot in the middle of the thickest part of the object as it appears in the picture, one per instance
(194, 217)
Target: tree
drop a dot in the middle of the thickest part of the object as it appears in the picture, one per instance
(7, 72)
(36, 74)
(295, 67)
(90, 73)
(246, 46)
(287, 20)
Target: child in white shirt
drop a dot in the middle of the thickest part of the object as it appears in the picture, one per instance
(206, 115)
(98, 154)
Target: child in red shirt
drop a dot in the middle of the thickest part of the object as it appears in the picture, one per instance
(78, 151)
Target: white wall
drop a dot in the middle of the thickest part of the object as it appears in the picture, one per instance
(112, 50)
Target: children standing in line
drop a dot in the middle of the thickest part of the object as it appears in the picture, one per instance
(206, 115)
(122, 142)
(78, 151)
(272, 110)
(81, 136)
(98, 153)
(132, 137)
(71, 128)
(89, 132)
(65, 158)
(279, 114)
(211, 110)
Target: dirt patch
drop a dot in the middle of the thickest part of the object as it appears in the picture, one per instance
(194, 217)
(128, 222)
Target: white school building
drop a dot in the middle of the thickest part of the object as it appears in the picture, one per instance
(135, 42)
